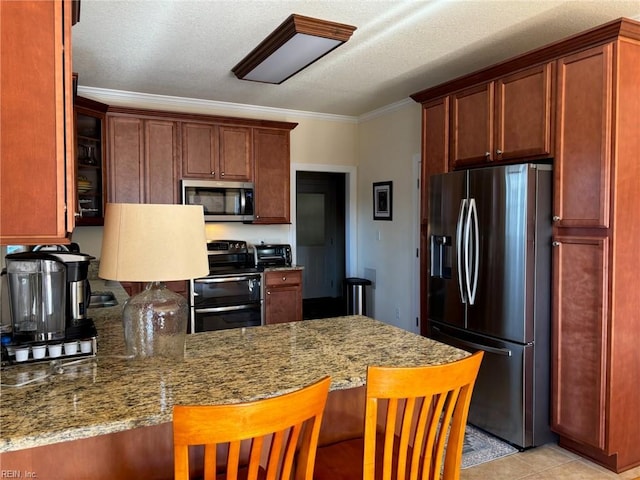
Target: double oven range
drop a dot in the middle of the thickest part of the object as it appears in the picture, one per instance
(231, 295)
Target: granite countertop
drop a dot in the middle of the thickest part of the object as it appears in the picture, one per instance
(108, 393)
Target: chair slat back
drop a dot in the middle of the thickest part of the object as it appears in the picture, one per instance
(422, 413)
(278, 431)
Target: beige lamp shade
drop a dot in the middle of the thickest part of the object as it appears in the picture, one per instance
(153, 243)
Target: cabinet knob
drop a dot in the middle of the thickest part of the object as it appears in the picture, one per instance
(78, 214)
(555, 244)
(284, 279)
(222, 174)
(268, 293)
(498, 152)
(487, 154)
(213, 173)
(555, 218)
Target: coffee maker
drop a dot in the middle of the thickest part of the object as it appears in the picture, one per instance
(48, 296)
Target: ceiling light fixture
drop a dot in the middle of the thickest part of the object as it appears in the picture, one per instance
(295, 44)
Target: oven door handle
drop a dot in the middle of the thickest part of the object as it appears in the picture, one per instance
(227, 309)
(240, 278)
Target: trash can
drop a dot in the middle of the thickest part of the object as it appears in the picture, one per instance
(356, 295)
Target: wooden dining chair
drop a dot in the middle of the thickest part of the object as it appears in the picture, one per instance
(415, 420)
(263, 439)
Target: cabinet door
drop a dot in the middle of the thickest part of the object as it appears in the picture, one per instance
(435, 147)
(283, 299)
(271, 164)
(90, 147)
(523, 114)
(472, 126)
(162, 170)
(199, 151)
(235, 153)
(125, 168)
(38, 178)
(583, 138)
(580, 338)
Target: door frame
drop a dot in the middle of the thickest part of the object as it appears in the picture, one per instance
(350, 200)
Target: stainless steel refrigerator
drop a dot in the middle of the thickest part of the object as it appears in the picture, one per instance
(489, 289)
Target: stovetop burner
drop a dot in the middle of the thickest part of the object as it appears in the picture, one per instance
(230, 256)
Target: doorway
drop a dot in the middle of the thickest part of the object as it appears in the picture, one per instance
(320, 241)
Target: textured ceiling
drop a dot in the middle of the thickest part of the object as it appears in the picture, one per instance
(187, 48)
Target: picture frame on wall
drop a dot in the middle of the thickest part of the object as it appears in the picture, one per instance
(383, 200)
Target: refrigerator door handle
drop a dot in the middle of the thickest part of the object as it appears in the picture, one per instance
(458, 342)
(474, 249)
(459, 231)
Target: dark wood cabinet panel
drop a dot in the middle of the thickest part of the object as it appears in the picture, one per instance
(125, 163)
(583, 154)
(580, 338)
(435, 147)
(142, 166)
(199, 151)
(283, 296)
(235, 153)
(472, 126)
(162, 168)
(272, 183)
(523, 114)
(435, 160)
(38, 177)
(216, 152)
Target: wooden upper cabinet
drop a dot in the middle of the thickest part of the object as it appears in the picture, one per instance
(235, 153)
(161, 165)
(199, 151)
(504, 120)
(580, 338)
(272, 183)
(583, 138)
(435, 147)
(37, 176)
(125, 164)
(523, 114)
(142, 165)
(472, 126)
(216, 152)
(90, 125)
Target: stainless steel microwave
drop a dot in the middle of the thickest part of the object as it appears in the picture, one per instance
(222, 201)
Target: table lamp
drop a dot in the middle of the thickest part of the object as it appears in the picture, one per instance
(155, 244)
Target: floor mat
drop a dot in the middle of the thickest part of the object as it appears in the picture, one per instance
(480, 447)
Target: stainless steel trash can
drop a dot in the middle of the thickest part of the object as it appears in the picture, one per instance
(356, 295)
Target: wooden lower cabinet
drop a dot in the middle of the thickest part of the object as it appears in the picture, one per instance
(147, 452)
(580, 331)
(283, 296)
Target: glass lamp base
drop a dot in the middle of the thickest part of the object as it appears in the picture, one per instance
(155, 323)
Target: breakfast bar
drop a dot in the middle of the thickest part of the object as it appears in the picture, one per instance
(109, 417)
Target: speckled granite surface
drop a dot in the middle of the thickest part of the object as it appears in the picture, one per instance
(108, 393)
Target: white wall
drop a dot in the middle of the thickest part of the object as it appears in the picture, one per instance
(388, 145)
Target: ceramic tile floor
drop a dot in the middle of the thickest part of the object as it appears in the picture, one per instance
(548, 462)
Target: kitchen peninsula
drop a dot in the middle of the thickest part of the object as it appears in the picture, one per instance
(110, 417)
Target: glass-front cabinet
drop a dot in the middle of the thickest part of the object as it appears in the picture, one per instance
(90, 143)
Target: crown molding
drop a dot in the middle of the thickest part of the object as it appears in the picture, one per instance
(392, 107)
(124, 98)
